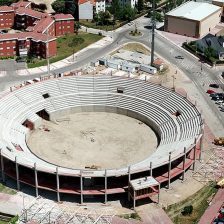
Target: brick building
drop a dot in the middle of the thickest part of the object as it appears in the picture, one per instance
(41, 30)
(7, 15)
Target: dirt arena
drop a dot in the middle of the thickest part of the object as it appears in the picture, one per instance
(105, 140)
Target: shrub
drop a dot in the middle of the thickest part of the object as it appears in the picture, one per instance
(187, 210)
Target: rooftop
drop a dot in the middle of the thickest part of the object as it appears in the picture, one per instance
(194, 10)
(26, 35)
(43, 24)
(23, 4)
(30, 12)
(6, 9)
(63, 16)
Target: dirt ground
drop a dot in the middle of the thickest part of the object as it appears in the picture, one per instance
(105, 140)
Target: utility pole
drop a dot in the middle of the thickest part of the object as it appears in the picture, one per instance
(48, 61)
(153, 32)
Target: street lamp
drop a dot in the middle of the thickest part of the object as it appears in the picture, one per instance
(173, 76)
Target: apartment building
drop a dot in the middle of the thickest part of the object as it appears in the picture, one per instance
(41, 30)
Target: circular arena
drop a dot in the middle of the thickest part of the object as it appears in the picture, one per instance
(91, 135)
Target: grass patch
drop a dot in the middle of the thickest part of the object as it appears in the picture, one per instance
(133, 215)
(110, 27)
(135, 47)
(64, 50)
(6, 190)
(199, 201)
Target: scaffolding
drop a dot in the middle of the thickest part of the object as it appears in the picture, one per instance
(43, 211)
(213, 168)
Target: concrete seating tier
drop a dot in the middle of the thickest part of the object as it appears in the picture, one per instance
(156, 105)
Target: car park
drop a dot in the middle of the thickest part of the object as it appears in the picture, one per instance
(214, 85)
(210, 91)
(219, 102)
(179, 57)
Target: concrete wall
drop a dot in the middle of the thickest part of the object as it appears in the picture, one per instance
(181, 26)
(86, 11)
(93, 108)
(210, 22)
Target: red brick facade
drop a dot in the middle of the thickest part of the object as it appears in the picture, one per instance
(6, 17)
(41, 28)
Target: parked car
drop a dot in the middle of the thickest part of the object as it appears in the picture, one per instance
(210, 91)
(214, 85)
(222, 75)
(213, 95)
(219, 102)
(179, 57)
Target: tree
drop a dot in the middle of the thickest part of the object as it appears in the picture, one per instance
(209, 52)
(140, 5)
(58, 6)
(104, 17)
(42, 6)
(115, 9)
(77, 27)
(128, 13)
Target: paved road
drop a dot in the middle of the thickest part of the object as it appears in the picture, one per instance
(190, 65)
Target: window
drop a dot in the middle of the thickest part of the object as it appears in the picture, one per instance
(8, 48)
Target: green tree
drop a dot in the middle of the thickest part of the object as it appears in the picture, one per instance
(209, 52)
(115, 9)
(77, 27)
(128, 13)
(140, 5)
(58, 6)
(104, 17)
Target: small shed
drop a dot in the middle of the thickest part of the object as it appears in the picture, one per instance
(143, 188)
(158, 63)
(102, 61)
(148, 69)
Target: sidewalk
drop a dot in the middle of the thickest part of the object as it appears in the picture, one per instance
(69, 60)
(213, 209)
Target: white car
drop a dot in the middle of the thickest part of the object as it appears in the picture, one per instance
(219, 102)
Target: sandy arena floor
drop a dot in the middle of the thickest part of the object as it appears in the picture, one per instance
(102, 139)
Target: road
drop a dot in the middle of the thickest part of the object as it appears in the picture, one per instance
(198, 73)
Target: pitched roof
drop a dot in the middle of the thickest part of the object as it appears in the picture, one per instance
(194, 10)
(30, 12)
(43, 24)
(23, 4)
(63, 17)
(6, 9)
(80, 2)
(26, 35)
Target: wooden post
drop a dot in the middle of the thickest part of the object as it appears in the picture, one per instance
(151, 169)
(105, 186)
(17, 174)
(129, 179)
(2, 167)
(58, 184)
(169, 169)
(195, 147)
(184, 161)
(81, 188)
(36, 179)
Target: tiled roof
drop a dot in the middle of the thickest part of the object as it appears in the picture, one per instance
(84, 1)
(22, 4)
(30, 12)
(63, 17)
(26, 35)
(6, 9)
(42, 24)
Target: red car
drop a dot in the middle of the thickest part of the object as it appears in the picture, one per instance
(210, 91)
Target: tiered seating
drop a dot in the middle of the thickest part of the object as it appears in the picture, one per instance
(154, 102)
